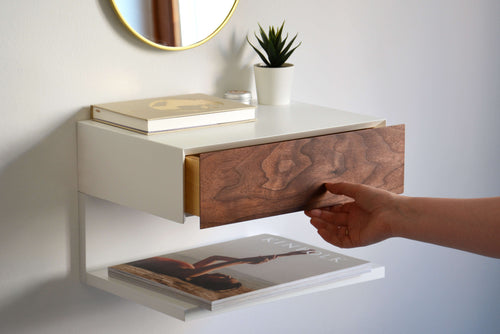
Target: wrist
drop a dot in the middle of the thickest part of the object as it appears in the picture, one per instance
(400, 215)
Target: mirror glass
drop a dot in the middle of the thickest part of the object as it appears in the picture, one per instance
(174, 24)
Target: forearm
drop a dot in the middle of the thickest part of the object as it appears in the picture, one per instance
(467, 224)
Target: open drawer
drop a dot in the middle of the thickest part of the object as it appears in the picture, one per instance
(252, 182)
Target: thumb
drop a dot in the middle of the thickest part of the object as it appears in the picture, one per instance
(344, 188)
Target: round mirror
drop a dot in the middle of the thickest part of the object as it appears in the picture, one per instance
(174, 24)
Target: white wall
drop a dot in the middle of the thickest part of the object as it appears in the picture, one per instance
(432, 64)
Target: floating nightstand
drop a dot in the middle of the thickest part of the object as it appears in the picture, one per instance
(231, 173)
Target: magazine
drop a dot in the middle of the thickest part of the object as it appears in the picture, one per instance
(241, 270)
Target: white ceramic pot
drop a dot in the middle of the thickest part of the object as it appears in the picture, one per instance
(274, 84)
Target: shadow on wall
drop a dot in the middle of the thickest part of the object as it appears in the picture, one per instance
(237, 72)
(39, 233)
(55, 303)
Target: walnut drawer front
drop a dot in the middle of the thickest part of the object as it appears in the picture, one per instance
(252, 182)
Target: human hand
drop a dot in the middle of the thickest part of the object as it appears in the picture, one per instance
(364, 221)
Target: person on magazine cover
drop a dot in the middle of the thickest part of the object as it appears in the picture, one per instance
(200, 273)
(471, 225)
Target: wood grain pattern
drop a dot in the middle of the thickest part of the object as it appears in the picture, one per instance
(264, 180)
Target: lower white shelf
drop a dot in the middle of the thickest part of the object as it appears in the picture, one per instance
(186, 311)
(96, 275)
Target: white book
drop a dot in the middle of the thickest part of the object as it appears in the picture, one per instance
(158, 115)
(238, 271)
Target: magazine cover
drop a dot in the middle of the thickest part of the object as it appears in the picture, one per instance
(236, 271)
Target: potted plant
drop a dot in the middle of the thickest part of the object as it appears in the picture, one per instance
(273, 77)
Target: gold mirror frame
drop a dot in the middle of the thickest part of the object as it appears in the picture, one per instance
(172, 48)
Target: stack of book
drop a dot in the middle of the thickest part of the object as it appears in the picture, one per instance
(158, 115)
(238, 271)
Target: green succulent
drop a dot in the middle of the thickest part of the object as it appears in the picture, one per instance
(274, 45)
